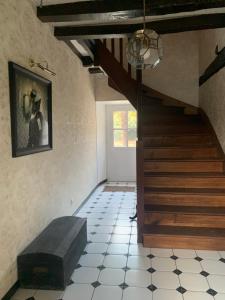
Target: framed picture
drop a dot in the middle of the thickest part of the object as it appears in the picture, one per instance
(31, 111)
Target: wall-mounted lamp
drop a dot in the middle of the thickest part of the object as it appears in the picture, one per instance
(45, 68)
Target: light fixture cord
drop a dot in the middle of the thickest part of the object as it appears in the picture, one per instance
(144, 7)
(41, 3)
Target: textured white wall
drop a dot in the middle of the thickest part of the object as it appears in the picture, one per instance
(177, 74)
(101, 140)
(37, 188)
(212, 92)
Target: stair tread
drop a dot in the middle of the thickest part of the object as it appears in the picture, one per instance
(185, 209)
(184, 174)
(190, 191)
(182, 230)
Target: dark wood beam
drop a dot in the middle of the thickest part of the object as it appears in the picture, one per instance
(87, 61)
(209, 21)
(217, 64)
(119, 9)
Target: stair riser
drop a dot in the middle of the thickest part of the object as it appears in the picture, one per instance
(183, 242)
(185, 199)
(185, 182)
(175, 166)
(182, 153)
(185, 140)
(182, 219)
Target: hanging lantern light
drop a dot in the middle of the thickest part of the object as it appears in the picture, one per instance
(144, 49)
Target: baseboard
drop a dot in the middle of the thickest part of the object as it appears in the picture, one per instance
(16, 286)
(91, 193)
(12, 291)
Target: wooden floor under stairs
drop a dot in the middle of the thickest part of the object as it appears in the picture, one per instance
(184, 179)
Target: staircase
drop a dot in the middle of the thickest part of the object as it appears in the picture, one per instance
(180, 167)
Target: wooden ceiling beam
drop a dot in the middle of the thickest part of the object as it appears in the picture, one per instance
(210, 21)
(111, 10)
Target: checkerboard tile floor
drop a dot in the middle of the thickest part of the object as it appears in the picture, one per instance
(114, 267)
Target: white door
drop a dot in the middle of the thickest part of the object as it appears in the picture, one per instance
(121, 142)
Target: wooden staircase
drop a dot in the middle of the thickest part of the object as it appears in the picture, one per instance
(180, 168)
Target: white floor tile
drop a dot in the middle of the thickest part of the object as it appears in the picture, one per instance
(22, 294)
(138, 278)
(197, 296)
(205, 254)
(184, 253)
(85, 275)
(213, 267)
(139, 250)
(217, 283)
(91, 260)
(139, 262)
(135, 293)
(133, 239)
(107, 292)
(222, 254)
(118, 249)
(163, 264)
(220, 297)
(161, 294)
(115, 261)
(100, 238)
(165, 280)
(48, 295)
(96, 248)
(122, 230)
(120, 238)
(79, 292)
(161, 252)
(104, 229)
(194, 282)
(188, 265)
(125, 223)
(110, 276)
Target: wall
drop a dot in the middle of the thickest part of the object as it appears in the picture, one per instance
(101, 140)
(177, 74)
(35, 189)
(212, 92)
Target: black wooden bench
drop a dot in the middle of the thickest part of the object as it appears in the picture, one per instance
(49, 261)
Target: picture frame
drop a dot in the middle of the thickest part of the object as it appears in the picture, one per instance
(31, 111)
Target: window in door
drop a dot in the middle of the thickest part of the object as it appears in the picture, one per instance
(124, 129)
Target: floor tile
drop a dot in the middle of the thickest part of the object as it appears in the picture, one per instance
(115, 261)
(48, 295)
(194, 282)
(184, 253)
(22, 294)
(139, 262)
(161, 252)
(205, 254)
(118, 249)
(91, 260)
(220, 297)
(188, 265)
(107, 292)
(110, 276)
(96, 248)
(213, 267)
(138, 278)
(120, 238)
(122, 230)
(197, 296)
(161, 294)
(80, 291)
(133, 239)
(138, 249)
(85, 275)
(217, 283)
(100, 238)
(163, 264)
(135, 293)
(165, 280)
(222, 254)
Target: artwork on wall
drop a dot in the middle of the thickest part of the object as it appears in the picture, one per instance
(31, 111)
